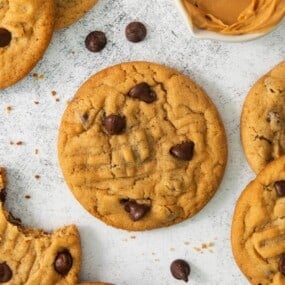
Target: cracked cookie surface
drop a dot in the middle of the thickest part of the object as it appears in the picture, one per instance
(69, 11)
(33, 257)
(263, 119)
(258, 227)
(166, 159)
(26, 27)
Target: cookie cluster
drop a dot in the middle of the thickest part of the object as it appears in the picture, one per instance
(258, 228)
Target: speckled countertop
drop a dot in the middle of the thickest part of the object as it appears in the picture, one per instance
(225, 70)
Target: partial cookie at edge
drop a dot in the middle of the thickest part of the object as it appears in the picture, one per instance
(263, 119)
(68, 12)
(30, 256)
(258, 227)
(31, 24)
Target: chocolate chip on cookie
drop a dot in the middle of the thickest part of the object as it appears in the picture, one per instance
(280, 188)
(63, 262)
(143, 92)
(114, 124)
(95, 41)
(183, 151)
(282, 264)
(135, 210)
(5, 37)
(5, 272)
(135, 32)
(180, 269)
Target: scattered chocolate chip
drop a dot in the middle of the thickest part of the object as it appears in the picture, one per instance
(280, 188)
(114, 124)
(180, 269)
(282, 264)
(135, 210)
(3, 195)
(95, 41)
(5, 37)
(63, 262)
(5, 272)
(183, 151)
(135, 32)
(143, 92)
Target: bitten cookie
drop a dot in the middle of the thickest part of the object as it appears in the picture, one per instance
(263, 119)
(258, 227)
(33, 257)
(141, 146)
(26, 27)
(69, 11)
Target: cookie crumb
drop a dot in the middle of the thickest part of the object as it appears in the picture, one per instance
(133, 237)
(57, 99)
(53, 92)
(197, 249)
(19, 143)
(186, 242)
(36, 151)
(11, 143)
(8, 109)
(27, 196)
(37, 176)
(203, 245)
(38, 76)
(36, 102)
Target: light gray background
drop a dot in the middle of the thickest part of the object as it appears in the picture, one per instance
(226, 71)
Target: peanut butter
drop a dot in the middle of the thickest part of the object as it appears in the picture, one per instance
(235, 17)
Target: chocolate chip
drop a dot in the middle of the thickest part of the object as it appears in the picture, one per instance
(5, 37)
(282, 264)
(114, 124)
(95, 41)
(135, 210)
(5, 272)
(143, 92)
(183, 151)
(135, 32)
(180, 269)
(280, 188)
(63, 262)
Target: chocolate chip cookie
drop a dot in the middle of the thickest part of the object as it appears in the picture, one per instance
(263, 119)
(141, 146)
(258, 227)
(69, 11)
(33, 257)
(26, 27)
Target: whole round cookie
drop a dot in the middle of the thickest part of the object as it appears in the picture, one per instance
(263, 119)
(258, 227)
(26, 27)
(33, 257)
(141, 146)
(69, 11)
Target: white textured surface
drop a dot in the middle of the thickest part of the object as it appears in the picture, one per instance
(226, 71)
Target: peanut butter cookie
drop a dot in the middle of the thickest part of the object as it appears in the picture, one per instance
(26, 27)
(33, 257)
(141, 146)
(69, 11)
(258, 227)
(263, 119)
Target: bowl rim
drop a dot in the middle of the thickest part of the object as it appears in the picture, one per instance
(210, 35)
